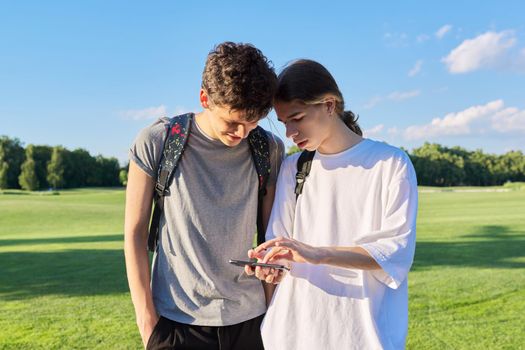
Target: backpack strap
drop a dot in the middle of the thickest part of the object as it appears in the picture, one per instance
(177, 132)
(304, 164)
(260, 148)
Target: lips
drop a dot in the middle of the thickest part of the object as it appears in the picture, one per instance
(233, 137)
(301, 144)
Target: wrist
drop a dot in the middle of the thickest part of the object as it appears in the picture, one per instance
(320, 256)
(146, 318)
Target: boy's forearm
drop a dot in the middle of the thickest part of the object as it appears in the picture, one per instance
(138, 273)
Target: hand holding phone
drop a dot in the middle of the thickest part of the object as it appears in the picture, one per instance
(254, 263)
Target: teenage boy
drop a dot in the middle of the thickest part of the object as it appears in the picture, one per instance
(197, 299)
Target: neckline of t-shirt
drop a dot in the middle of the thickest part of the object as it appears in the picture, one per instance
(206, 136)
(358, 147)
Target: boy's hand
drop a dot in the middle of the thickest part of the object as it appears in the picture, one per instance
(269, 275)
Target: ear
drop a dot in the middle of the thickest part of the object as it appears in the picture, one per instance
(330, 105)
(203, 97)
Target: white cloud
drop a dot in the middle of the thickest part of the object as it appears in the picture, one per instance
(146, 113)
(443, 30)
(509, 120)
(485, 50)
(403, 95)
(416, 69)
(459, 123)
(374, 131)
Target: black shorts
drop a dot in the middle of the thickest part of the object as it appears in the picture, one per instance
(169, 334)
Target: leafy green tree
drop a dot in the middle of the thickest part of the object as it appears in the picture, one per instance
(106, 172)
(4, 167)
(476, 170)
(14, 156)
(79, 167)
(42, 156)
(436, 165)
(123, 177)
(28, 179)
(514, 165)
(55, 168)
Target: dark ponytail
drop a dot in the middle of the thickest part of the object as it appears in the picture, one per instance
(350, 119)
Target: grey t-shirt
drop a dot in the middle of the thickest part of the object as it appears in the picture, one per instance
(209, 217)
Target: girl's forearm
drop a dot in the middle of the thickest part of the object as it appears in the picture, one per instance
(347, 257)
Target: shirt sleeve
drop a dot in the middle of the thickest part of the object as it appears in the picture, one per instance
(393, 246)
(283, 210)
(146, 150)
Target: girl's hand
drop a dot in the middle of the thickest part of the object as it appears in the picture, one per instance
(288, 249)
(269, 275)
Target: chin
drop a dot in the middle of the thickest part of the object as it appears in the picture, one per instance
(231, 142)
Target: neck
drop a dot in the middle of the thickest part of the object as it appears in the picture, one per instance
(340, 139)
(203, 122)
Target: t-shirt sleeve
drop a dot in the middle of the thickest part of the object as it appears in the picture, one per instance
(393, 246)
(276, 157)
(146, 150)
(283, 210)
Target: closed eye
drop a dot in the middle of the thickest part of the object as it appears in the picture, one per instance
(292, 119)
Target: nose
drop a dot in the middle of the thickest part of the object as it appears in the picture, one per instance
(291, 131)
(241, 131)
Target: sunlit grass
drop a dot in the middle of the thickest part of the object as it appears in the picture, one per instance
(63, 283)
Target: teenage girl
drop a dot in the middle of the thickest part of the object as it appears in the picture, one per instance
(349, 237)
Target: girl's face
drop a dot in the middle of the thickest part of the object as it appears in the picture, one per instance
(307, 125)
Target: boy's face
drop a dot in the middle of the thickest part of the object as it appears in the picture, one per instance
(226, 125)
(229, 126)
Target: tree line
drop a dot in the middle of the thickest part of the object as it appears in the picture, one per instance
(38, 167)
(42, 167)
(437, 165)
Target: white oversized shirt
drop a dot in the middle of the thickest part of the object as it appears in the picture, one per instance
(365, 196)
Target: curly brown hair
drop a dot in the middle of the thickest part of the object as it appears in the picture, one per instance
(238, 76)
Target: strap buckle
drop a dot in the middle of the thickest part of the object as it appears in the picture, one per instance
(300, 177)
(161, 190)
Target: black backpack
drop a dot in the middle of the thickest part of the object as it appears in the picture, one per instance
(304, 164)
(177, 132)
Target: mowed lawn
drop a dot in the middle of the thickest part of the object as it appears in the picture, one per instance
(63, 283)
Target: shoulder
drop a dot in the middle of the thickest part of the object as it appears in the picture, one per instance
(382, 147)
(386, 151)
(153, 132)
(395, 160)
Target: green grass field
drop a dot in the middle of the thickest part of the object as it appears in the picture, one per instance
(63, 283)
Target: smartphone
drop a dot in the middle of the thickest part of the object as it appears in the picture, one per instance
(255, 263)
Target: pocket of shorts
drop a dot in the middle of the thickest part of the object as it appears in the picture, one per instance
(153, 333)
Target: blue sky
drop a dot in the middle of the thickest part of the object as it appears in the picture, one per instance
(91, 74)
